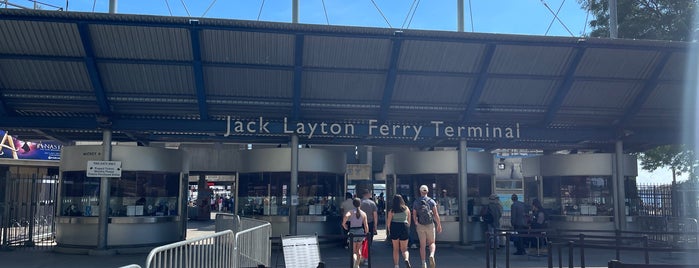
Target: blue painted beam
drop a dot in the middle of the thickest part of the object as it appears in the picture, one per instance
(477, 91)
(644, 94)
(92, 70)
(198, 71)
(390, 79)
(298, 77)
(563, 90)
(3, 107)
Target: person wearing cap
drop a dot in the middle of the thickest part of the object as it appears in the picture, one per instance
(495, 209)
(426, 232)
(519, 223)
(372, 216)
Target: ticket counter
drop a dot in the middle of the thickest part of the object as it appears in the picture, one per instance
(577, 189)
(146, 205)
(264, 189)
(439, 171)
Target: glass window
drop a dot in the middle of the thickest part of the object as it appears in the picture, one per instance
(267, 193)
(578, 195)
(134, 194)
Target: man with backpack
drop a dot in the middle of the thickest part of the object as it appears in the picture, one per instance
(426, 217)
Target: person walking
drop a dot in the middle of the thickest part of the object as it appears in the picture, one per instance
(398, 226)
(372, 214)
(344, 208)
(355, 222)
(491, 216)
(426, 217)
(519, 223)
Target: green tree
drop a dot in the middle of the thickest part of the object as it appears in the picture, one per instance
(679, 158)
(644, 19)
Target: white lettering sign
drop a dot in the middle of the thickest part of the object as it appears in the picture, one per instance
(108, 169)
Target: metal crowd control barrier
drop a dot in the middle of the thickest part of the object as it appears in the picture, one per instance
(209, 251)
(245, 243)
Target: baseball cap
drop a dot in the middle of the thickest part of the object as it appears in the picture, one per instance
(423, 188)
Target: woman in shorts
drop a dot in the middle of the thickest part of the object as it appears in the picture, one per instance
(356, 219)
(398, 226)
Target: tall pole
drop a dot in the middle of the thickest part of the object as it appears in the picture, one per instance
(112, 6)
(295, 11)
(460, 15)
(103, 223)
(463, 192)
(613, 21)
(294, 184)
(620, 190)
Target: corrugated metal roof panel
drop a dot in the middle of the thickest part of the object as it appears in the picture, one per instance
(173, 109)
(418, 55)
(44, 75)
(602, 94)
(676, 66)
(340, 87)
(436, 89)
(147, 79)
(241, 82)
(247, 47)
(616, 63)
(530, 60)
(343, 52)
(142, 43)
(40, 38)
(519, 92)
(665, 96)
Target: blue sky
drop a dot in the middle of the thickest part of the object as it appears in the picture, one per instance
(527, 17)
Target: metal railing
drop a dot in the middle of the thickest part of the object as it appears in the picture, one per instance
(249, 247)
(556, 240)
(215, 250)
(252, 245)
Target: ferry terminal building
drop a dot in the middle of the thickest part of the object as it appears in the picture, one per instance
(291, 116)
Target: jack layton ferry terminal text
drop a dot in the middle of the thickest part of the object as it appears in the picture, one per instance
(435, 128)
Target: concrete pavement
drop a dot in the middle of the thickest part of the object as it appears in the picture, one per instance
(334, 255)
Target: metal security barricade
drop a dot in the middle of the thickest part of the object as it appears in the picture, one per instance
(252, 244)
(249, 247)
(209, 251)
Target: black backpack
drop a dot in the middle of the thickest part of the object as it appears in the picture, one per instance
(487, 216)
(424, 213)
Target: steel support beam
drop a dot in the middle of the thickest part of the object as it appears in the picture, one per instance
(563, 90)
(298, 77)
(645, 93)
(92, 70)
(198, 70)
(472, 104)
(390, 78)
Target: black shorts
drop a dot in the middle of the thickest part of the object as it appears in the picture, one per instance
(399, 231)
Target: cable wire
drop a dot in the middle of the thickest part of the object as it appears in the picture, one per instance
(382, 15)
(207, 9)
(587, 16)
(185, 8)
(402, 26)
(470, 12)
(260, 13)
(93, 5)
(414, 11)
(556, 17)
(168, 7)
(326, 12)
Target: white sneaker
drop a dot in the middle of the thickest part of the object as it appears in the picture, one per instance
(432, 263)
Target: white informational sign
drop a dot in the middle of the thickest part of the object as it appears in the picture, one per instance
(108, 169)
(359, 172)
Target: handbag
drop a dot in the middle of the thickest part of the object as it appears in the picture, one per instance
(365, 248)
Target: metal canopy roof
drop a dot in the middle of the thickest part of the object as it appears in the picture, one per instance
(66, 75)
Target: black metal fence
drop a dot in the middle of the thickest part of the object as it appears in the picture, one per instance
(27, 211)
(679, 200)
